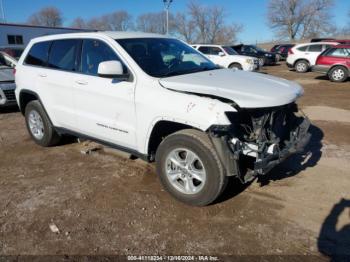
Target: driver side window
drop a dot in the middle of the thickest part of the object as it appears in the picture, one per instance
(93, 53)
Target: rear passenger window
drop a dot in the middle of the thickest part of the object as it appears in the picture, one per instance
(204, 50)
(63, 54)
(38, 54)
(93, 53)
(315, 48)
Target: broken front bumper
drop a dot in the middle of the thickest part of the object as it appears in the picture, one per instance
(300, 137)
(246, 159)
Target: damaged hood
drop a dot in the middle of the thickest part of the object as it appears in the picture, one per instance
(246, 89)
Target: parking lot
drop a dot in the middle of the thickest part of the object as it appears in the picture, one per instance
(104, 203)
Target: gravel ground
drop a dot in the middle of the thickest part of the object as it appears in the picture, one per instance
(104, 203)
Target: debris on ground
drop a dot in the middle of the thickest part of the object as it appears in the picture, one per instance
(54, 228)
(90, 147)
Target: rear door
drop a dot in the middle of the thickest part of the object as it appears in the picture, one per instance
(50, 66)
(313, 52)
(105, 107)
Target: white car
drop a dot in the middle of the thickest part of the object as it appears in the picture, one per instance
(161, 100)
(303, 56)
(227, 57)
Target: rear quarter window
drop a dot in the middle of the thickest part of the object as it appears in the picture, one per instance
(303, 48)
(38, 54)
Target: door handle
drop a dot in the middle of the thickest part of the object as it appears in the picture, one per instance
(81, 82)
(43, 75)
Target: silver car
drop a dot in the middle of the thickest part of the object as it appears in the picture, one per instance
(7, 80)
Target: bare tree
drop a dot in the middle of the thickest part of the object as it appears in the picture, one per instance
(210, 24)
(317, 19)
(120, 21)
(116, 21)
(199, 17)
(79, 23)
(48, 16)
(228, 34)
(153, 23)
(300, 18)
(185, 27)
(98, 23)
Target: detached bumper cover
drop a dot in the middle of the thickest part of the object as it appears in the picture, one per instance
(300, 137)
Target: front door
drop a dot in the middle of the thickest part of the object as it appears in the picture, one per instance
(104, 107)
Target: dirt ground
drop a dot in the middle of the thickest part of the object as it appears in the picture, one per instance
(104, 203)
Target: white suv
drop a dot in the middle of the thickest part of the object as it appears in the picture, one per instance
(227, 57)
(161, 100)
(303, 56)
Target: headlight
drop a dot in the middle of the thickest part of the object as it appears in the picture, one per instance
(249, 61)
(267, 54)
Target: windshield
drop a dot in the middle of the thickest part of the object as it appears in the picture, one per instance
(229, 50)
(162, 57)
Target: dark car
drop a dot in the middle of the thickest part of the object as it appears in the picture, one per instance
(281, 50)
(327, 39)
(334, 62)
(265, 58)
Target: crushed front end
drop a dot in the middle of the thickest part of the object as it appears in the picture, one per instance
(259, 139)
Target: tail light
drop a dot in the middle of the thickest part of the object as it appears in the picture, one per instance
(290, 52)
(14, 71)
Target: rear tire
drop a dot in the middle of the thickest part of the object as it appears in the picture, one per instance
(338, 74)
(39, 126)
(189, 168)
(301, 66)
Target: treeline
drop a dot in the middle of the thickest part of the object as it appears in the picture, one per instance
(198, 23)
(289, 19)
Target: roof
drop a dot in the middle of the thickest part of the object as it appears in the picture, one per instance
(317, 43)
(206, 45)
(123, 34)
(39, 26)
(111, 34)
(342, 46)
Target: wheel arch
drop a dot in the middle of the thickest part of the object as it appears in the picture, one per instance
(235, 63)
(162, 129)
(339, 65)
(301, 59)
(25, 97)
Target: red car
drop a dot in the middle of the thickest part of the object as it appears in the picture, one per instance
(335, 62)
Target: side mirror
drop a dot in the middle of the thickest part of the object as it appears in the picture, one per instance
(221, 54)
(112, 69)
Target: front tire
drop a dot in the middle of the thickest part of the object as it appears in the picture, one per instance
(236, 65)
(39, 125)
(338, 74)
(189, 167)
(301, 66)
